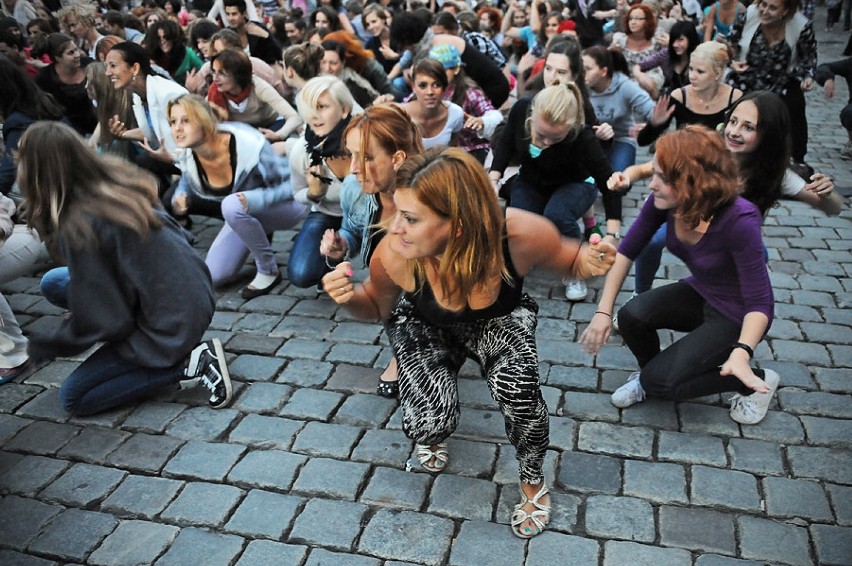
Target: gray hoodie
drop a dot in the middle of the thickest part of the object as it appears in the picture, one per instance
(618, 103)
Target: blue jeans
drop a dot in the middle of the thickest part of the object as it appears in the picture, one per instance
(564, 206)
(306, 265)
(648, 261)
(54, 286)
(105, 380)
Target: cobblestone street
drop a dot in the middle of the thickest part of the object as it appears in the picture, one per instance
(307, 466)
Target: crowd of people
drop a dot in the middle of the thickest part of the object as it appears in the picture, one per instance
(452, 148)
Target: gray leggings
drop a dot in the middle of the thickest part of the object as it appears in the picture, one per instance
(430, 356)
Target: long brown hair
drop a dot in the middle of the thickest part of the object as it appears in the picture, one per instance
(66, 184)
(453, 184)
(704, 175)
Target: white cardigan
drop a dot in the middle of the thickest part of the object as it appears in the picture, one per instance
(159, 92)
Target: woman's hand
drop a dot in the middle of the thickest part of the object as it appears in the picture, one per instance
(242, 198)
(807, 84)
(594, 260)
(473, 123)
(597, 333)
(316, 187)
(662, 111)
(180, 204)
(821, 185)
(195, 81)
(618, 182)
(160, 154)
(271, 136)
(332, 245)
(603, 131)
(738, 365)
(828, 88)
(388, 53)
(739, 66)
(382, 98)
(338, 285)
(119, 129)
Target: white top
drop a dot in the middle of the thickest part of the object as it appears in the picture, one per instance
(455, 122)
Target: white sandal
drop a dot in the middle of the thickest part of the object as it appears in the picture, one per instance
(425, 454)
(540, 517)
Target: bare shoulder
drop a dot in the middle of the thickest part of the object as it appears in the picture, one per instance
(387, 268)
(254, 29)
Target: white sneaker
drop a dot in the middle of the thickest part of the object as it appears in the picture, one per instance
(575, 289)
(630, 393)
(750, 409)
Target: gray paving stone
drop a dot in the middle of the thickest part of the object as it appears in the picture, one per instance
(612, 357)
(697, 529)
(704, 419)
(202, 504)
(827, 333)
(769, 540)
(785, 329)
(331, 478)
(264, 514)
(796, 498)
(636, 442)
(564, 353)
(357, 332)
(263, 398)
(620, 518)
(589, 406)
(144, 453)
(756, 456)
(556, 548)
(269, 304)
(841, 501)
(328, 440)
(269, 553)
(42, 437)
(307, 349)
(777, 426)
(304, 327)
(12, 558)
(52, 375)
(660, 483)
(332, 524)
(251, 367)
(353, 379)
(803, 352)
(218, 549)
(141, 496)
(383, 448)
(716, 560)
(828, 432)
(618, 553)
(404, 535)
(134, 542)
(468, 458)
(828, 464)
(841, 354)
(209, 461)
(30, 474)
(73, 534)
(483, 425)
(691, 448)
(834, 379)
(365, 410)
(265, 432)
(816, 403)
(225, 320)
(562, 433)
(17, 394)
(480, 543)
(833, 544)
(653, 413)
(306, 373)
(83, 484)
(462, 498)
(312, 404)
(246, 343)
(726, 488)
(153, 417)
(269, 469)
(322, 557)
(108, 419)
(10, 425)
(358, 354)
(22, 519)
(792, 374)
(568, 377)
(396, 489)
(203, 423)
(589, 473)
(799, 313)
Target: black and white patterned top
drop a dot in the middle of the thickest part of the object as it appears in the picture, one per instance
(767, 65)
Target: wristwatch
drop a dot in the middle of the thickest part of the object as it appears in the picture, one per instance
(745, 347)
(616, 235)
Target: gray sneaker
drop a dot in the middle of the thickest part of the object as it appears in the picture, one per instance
(630, 393)
(750, 409)
(575, 289)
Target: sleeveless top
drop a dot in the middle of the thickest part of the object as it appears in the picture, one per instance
(202, 174)
(507, 301)
(687, 116)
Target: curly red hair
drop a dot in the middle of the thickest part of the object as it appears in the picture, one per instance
(650, 19)
(702, 172)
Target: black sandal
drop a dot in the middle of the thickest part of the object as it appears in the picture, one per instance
(389, 389)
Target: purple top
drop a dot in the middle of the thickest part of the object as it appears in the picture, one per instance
(727, 264)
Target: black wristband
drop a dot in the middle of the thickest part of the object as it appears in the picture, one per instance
(745, 347)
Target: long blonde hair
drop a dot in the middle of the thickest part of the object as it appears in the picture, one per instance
(66, 185)
(453, 184)
(560, 104)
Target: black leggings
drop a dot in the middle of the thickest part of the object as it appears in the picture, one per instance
(688, 368)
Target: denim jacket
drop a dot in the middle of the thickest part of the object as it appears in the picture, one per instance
(359, 213)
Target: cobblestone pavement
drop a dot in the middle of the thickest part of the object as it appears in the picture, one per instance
(307, 467)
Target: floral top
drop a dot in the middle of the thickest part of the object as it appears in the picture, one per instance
(768, 64)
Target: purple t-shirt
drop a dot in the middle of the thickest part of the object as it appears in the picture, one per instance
(727, 264)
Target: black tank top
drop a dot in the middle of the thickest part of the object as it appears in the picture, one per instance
(507, 301)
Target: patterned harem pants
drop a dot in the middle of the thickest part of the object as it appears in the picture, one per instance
(430, 356)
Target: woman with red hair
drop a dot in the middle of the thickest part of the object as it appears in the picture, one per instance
(638, 43)
(725, 306)
(357, 67)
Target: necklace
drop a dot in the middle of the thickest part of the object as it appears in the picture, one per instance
(707, 103)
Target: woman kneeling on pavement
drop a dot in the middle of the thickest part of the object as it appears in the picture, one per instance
(725, 306)
(135, 282)
(448, 278)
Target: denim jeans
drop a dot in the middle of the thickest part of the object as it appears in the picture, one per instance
(54, 286)
(648, 261)
(564, 206)
(306, 264)
(105, 380)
